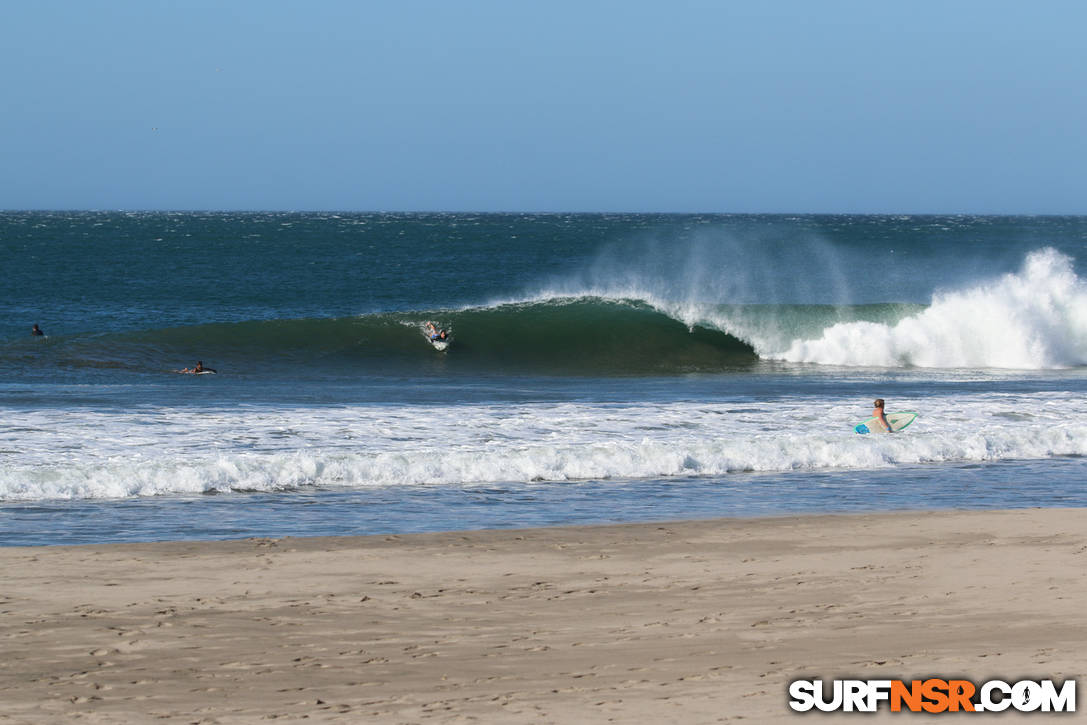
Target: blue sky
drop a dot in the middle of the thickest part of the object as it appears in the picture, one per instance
(945, 107)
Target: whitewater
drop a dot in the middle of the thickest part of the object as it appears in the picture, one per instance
(89, 454)
(1032, 319)
(1035, 319)
(602, 368)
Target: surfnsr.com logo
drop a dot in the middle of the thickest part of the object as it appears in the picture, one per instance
(932, 695)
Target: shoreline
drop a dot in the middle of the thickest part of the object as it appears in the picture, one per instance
(402, 510)
(694, 621)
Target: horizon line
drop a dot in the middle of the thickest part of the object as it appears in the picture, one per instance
(179, 210)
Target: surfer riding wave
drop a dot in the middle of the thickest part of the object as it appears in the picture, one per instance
(437, 335)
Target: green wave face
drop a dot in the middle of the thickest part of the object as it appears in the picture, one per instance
(590, 336)
(555, 337)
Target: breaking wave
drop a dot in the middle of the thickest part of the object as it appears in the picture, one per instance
(624, 324)
(1033, 319)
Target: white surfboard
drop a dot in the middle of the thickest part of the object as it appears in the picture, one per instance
(898, 421)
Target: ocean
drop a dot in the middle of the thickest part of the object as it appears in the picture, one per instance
(603, 368)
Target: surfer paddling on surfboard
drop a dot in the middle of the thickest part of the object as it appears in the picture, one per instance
(199, 369)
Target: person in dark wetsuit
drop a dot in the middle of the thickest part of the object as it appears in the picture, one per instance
(198, 369)
(37, 331)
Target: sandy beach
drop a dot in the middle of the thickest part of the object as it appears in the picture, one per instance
(694, 622)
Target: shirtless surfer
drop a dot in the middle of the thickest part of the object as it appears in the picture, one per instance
(435, 333)
(880, 416)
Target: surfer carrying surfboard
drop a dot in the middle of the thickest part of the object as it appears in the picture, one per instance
(883, 422)
(880, 416)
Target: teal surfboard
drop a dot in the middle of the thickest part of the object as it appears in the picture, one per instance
(898, 421)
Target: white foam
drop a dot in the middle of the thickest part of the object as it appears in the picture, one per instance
(78, 453)
(1034, 319)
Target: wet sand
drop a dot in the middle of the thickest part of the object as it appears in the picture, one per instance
(693, 622)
